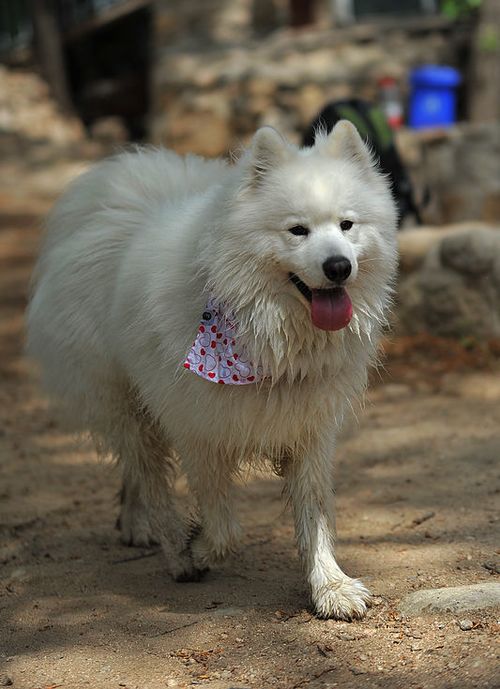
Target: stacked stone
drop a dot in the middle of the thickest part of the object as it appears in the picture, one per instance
(456, 290)
(210, 96)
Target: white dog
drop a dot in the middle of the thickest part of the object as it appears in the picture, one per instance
(216, 313)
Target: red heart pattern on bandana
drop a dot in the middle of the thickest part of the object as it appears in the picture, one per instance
(216, 355)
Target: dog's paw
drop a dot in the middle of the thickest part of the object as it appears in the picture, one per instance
(347, 600)
(202, 554)
(205, 553)
(191, 575)
(134, 526)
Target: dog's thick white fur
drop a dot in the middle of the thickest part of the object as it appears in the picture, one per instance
(132, 252)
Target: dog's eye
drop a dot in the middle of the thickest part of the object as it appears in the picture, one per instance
(346, 225)
(299, 230)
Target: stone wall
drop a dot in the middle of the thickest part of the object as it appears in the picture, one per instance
(222, 69)
(217, 78)
(28, 111)
(454, 289)
(458, 169)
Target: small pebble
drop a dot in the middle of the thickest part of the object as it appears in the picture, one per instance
(357, 671)
(466, 625)
(5, 681)
(493, 566)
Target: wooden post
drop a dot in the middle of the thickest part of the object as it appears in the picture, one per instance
(302, 12)
(484, 93)
(49, 50)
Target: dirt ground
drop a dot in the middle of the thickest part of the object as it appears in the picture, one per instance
(417, 486)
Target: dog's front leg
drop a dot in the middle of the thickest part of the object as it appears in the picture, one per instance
(309, 486)
(210, 475)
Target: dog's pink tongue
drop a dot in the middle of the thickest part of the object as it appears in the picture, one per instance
(331, 309)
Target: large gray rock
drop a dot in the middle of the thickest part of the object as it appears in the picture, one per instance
(470, 253)
(455, 292)
(416, 242)
(454, 599)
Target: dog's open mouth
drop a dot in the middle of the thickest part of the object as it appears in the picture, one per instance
(331, 309)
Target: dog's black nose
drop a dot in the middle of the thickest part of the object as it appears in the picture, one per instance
(337, 268)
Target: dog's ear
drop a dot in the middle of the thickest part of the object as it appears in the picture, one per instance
(344, 141)
(268, 150)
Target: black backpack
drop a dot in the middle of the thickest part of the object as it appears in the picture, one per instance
(372, 125)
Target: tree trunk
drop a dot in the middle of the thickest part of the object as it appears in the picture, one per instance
(49, 49)
(484, 93)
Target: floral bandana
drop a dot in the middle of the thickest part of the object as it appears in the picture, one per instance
(216, 354)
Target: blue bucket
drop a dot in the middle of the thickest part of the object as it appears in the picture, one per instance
(433, 96)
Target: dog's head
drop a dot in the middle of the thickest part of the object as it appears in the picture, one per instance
(313, 229)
